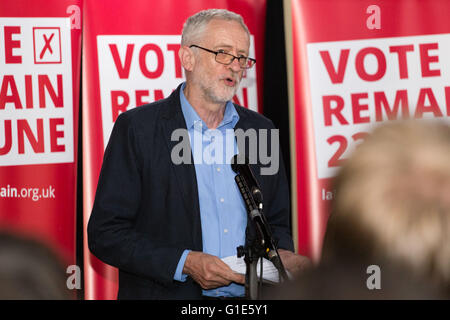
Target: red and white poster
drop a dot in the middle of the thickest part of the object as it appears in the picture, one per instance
(40, 53)
(360, 64)
(130, 58)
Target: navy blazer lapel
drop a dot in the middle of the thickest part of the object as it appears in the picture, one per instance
(172, 120)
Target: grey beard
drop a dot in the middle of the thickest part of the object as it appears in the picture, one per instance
(210, 96)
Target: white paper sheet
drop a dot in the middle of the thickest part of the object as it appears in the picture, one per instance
(270, 273)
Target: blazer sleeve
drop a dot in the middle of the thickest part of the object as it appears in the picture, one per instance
(112, 236)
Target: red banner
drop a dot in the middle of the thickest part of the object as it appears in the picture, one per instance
(131, 58)
(40, 51)
(359, 64)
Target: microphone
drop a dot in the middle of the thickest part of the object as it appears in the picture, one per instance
(252, 195)
(240, 165)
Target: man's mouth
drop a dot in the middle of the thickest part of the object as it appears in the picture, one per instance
(230, 82)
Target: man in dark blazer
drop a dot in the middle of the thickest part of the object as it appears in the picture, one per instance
(149, 218)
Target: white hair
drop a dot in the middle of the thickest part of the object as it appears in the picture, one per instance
(195, 25)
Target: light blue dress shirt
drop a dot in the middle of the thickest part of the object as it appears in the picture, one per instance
(222, 209)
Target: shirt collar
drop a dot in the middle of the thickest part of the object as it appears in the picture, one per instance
(230, 117)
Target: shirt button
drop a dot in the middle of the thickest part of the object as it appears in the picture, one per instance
(225, 230)
(218, 169)
(222, 199)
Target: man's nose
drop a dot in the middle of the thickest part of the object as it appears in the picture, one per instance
(235, 66)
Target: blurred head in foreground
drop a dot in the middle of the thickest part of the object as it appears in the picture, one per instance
(391, 210)
(29, 270)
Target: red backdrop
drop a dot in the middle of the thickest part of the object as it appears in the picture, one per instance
(130, 58)
(354, 65)
(40, 54)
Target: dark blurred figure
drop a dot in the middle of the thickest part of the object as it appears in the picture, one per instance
(392, 211)
(29, 270)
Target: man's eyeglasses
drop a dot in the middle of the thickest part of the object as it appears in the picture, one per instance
(227, 58)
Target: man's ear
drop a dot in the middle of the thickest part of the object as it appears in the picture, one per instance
(187, 58)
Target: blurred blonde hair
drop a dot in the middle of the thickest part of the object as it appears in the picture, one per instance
(393, 198)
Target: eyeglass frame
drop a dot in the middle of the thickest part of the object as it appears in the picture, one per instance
(234, 57)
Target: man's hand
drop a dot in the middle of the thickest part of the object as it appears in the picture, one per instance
(294, 263)
(209, 271)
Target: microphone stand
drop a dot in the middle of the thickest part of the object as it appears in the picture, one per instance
(263, 245)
